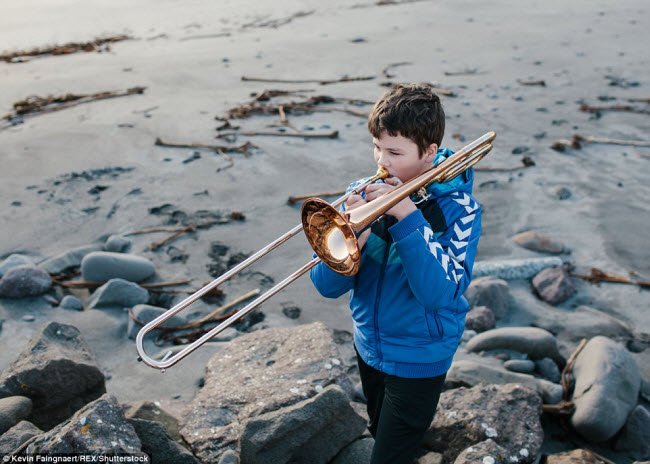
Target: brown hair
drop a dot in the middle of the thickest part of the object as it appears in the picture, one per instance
(412, 111)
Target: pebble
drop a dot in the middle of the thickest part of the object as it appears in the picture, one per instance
(68, 259)
(28, 318)
(520, 149)
(118, 292)
(118, 244)
(537, 241)
(101, 266)
(24, 281)
(71, 302)
(480, 319)
(548, 370)
(553, 285)
(524, 366)
(14, 260)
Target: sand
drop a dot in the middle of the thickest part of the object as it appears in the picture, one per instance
(191, 57)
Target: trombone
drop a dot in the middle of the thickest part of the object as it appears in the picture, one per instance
(331, 234)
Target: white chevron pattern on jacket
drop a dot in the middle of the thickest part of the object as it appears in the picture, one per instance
(455, 253)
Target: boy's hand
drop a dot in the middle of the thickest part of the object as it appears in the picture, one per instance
(401, 209)
(354, 201)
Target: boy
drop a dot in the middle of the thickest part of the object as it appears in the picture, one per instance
(407, 299)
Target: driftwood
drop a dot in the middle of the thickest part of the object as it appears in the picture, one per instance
(565, 408)
(309, 81)
(73, 47)
(296, 198)
(307, 135)
(393, 65)
(310, 105)
(33, 106)
(578, 140)
(466, 72)
(596, 276)
(178, 231)
(639, 100)
(216, 148)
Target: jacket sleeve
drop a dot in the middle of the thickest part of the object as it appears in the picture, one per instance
(439, 270)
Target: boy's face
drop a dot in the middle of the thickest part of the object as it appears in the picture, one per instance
(401, 157)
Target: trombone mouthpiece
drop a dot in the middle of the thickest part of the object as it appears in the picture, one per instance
(382, 173)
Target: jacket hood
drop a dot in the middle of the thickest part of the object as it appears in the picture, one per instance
(463, 182)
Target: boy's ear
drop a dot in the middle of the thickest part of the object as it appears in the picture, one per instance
(430, 154)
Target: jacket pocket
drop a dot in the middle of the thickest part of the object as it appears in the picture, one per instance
(434, 324)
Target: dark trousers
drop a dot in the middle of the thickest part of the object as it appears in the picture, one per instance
(400, 411)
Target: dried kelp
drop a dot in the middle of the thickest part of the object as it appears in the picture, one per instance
(72, 47)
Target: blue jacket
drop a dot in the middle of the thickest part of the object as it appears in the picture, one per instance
(407, 298)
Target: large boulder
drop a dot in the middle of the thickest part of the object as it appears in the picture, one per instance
(16, 436)
(117, 293)
(508, 414)
(312, 431)
(102, 266)
(257, 373)
(99, 428)
(13, 410)
(150, 411)
(491, 292)
(24, 281)
(535, 342)
(606, 389)
(69, 259)
(469, 373)
(554, 285)
(159, 445)
(357, 452)
(57, 371)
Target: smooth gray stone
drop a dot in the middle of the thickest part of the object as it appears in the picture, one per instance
(548, 370)
(68, 259)
(118, 292)
(536, 343)
(524, 366)
(118, 244)
(16, 436)
(146, 313)
(101, 266)
(606, 389)
(24, 281)
(510, 269)
(13, 410)
(71, 302)
(466, 372)
(635, 435)
(491, 292)
(229, 457)
(14, 260)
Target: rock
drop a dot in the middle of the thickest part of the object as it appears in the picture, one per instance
(57, 371)
(430, 458)
(71, 302)
(148, 410)
(635, 434)
(292, 312)
(606, 389)
(553, 285)
(101, 266)
(537, 241)
(16, 436)
(584, 322)
(118, 244)
(357, 452)
(485, 452)
(118, 292)
(13, 410)
(157, 444)
(313, 430)
(561, 193)
(229, 457)
(480, 319)
(490, 292)
(14, 260)
(577, 456)
(509, 269)
(256, 373)
(67, 260)
(24, 281)
(470, 373)
(146, 313)
(99, 428)
(548, 370)
(535, 342)
(520, 149)
(508, 414)
(524, 366)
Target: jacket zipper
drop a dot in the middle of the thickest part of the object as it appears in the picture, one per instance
(379, 286)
